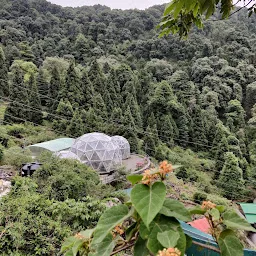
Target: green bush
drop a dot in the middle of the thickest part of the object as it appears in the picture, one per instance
(1, 152)
(199, 197)
(62, 179)
(182, 173)
(16, 156)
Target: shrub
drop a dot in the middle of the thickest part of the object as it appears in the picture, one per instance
(182, 173)
(199, 197)
(16, 156)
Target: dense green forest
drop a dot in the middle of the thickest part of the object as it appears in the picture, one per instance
(80, 70)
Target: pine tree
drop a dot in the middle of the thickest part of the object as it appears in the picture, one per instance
(42, 86)
(63, 116)
(198, 135)
(72, 89)
(53, 91)
(183, 126)
(76, 127)
(108, 102)
(130, 130)
(87, 91)
(99, 106)
(18, 109)
(165, 129)
(222, 149)
(149, 142)
(231, 178)
(34, 102)
(4, 86)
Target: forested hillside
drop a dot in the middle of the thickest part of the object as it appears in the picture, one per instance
(95, 69)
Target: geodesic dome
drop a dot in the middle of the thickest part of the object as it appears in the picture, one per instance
(98, 151)
(123, 144)
(67, 154)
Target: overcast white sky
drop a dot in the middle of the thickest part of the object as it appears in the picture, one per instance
(116, 4)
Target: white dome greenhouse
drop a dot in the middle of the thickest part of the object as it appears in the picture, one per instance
(98, 151)
(67, 154)
(123, 144)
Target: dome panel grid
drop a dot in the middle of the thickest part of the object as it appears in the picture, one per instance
(98, 151)
(123, 144)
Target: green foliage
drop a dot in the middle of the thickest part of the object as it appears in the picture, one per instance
(179, 16)
(63, 179)
(199, 197)
(16, 156)
(151, 229)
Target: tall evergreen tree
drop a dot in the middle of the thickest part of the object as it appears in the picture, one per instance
(63, 116)
(99, 106)
(183, 126)
(42, 86)
(231, 178)
(17, 110)
(4, 86)
(87, 91)
(34, 102)
(72, 88)
(76, 126)
(165, 129)
(53, 91)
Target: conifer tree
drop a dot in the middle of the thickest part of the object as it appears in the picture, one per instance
(72, 89)
(165, 129)
(18, 109)
(63, 116)
(198, 135)
(149, 142)
(130, 130)
(93, 121)
(76, 126)
(99, 106)
(222, 149)
(34, 102)
(108, 102)
(4, 86)
(231, 178)
(42, 86)
(87, 91)
(53, 91)
(183, 126)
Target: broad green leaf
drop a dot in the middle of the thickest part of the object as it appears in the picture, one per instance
(229, 244)
(134, 178)
(104, 248)
(76, 246)
(148, 200)
(169, 8)
(87, 233)
(182, 243)
(197, 210)
(221, 208)
(188, 241)
(215, 214)
(233, 221)
(130, 231)
(159, 225)
(140, 248)
(109, 219)
(168, 238)
(68, 253)
(144, 232)
(178, 8)
(68, 243)
(174, 208)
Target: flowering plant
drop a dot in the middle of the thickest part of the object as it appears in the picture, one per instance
(149, 223)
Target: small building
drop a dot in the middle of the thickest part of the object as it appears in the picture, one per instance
(53, 146)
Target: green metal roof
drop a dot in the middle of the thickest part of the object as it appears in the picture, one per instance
(54, 145)
(249, 211)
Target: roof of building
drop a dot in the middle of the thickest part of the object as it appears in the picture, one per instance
(249, 212)
(54, 145)
(200, 224)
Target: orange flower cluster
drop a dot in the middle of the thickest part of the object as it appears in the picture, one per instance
(169, 252)
(165, 168)
(148, 177)
(119, 230)
(207, 205)
(79, 236)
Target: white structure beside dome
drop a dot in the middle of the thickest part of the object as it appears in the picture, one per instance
(124, 146)
(67, 154)
(98, 151)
